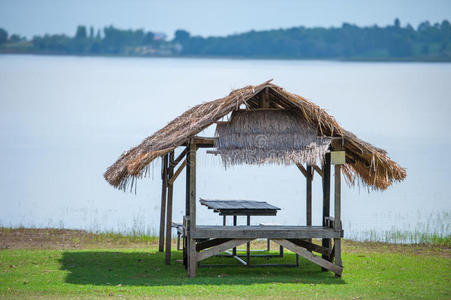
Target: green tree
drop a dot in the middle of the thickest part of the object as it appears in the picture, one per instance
(3, 36)
(81, 33)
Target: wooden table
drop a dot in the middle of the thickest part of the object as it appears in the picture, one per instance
(246, 208)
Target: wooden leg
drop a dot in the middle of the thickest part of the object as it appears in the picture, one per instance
(326, 201)
(164, 177)
(192, 258)
(234, 224)
(169, 225)
(178, 241)
(169, 211)
(185, 254)
(337, 250)
(248, 245)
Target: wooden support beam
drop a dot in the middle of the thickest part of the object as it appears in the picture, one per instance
(210, 243)
(202, 142)
(164, 178)
(181, 156)
(311, 246)
(185, 240)
(326, 200)
(248, 244)
(311, 257)
(265, 98)
(221, 248)
(192, 257)
(302, 169)
(337, 215)
(169, 212)
(308, 210)
(174, 176)
(318, 170)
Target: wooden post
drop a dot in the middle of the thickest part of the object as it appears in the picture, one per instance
(309, 179)
(309, 196)
(234, 224)
(185, 241)
(169, 211)
(248, 245)
(164, 177)
(337, 215)
(326, 200)
(192, 255)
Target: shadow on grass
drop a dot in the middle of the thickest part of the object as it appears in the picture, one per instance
(148, 269)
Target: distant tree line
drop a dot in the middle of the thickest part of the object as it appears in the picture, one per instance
(393, 42)
(109, 41)
(347, 41)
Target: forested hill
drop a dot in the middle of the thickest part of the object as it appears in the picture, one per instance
(427, 42)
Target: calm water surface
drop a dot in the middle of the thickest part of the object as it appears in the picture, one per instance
(64, 120)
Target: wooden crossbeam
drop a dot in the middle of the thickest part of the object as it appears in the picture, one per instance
(221, 248)
(318, 170)
(302, 169)
(176, 161)
(311, 246)
(177, 173)
(311, 257)
(210, 243)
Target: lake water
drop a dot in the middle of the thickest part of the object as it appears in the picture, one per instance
(64, 120)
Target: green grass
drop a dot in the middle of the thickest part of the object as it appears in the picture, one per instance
(137, 273)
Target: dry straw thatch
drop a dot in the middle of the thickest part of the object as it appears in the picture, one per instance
(278, 136)
(366, 164)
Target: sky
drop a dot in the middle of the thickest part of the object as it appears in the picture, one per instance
(204, 17)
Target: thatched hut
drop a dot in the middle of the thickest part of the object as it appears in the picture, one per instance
(265, 124)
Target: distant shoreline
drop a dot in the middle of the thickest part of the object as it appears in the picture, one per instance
(357, 59)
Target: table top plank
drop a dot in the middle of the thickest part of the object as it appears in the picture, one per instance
(231, 207)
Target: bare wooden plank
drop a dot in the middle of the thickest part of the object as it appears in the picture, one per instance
(237, 204)
(311, 257)
(255, 231)
(164, 178)
(221, 248)
(169, 212)
(173, 177)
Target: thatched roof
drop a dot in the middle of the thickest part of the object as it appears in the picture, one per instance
(366, 164)
(269, 135)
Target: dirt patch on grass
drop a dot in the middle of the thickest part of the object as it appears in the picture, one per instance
(49, 238)
(378, 247)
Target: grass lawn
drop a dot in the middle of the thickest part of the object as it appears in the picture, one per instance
(372, 271)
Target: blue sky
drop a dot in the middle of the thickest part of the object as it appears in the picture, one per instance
(202, 17)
